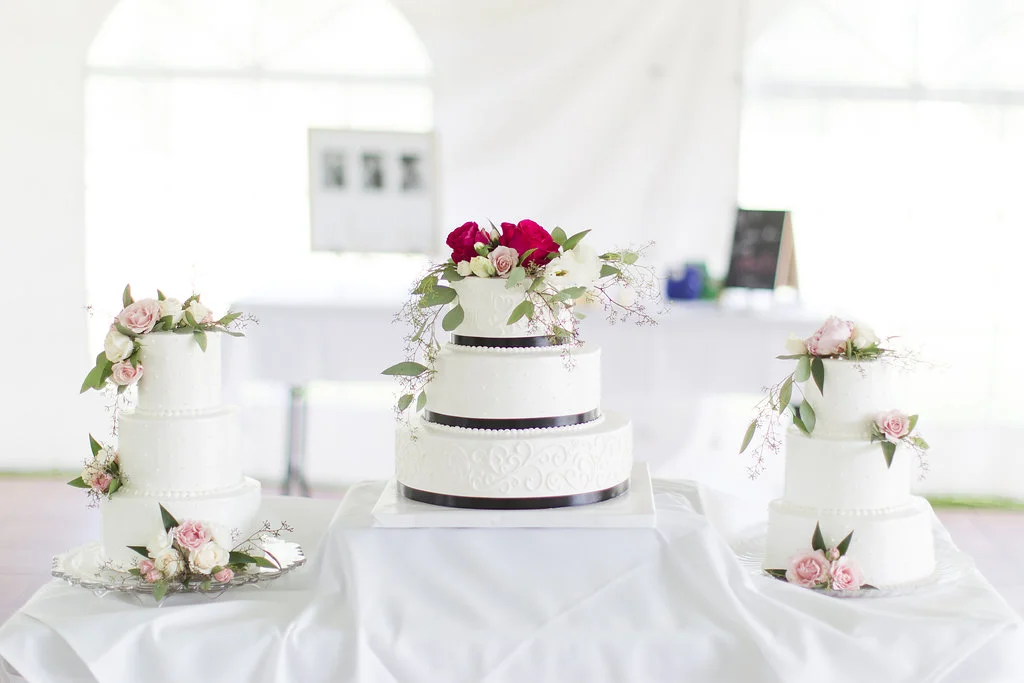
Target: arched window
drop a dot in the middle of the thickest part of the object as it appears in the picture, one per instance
(196, 132)
(894, 131)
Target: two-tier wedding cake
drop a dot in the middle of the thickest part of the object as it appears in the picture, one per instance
(508, 412)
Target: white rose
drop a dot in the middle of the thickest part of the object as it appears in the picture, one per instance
(201, 313)
(106, 456)
(117, 346)
(89, 473)
(796, 346)
(462, 268)
(578, 267)
(169, 563)
(481, 266)
(207, 556)
(159, 543)
(172, 307)
(863, 336)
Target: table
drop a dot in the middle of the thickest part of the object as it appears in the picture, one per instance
(665, 604)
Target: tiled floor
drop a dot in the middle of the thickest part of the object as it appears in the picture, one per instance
(41, 516)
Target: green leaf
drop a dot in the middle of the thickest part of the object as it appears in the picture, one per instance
(451, 274)
(140, 549)
(160, 296)
(610, 256)
(560, 333)
(124, 330)
(115, 484)
(205, 585)
(630, 257)
(818, 372)
(558, 235)
(94, 445)
(229, 318)
(792, 356)
(126, 296)
(437, 296)
(453, 318)
(785, 393)
(803, 369)
(421, 401)
(426, 284)
(888, 450)
(572, 293)
(134, 571)
(160, 590)
(515, 276)
(190, 319)
(78, 483)
(526, 254)
(168, 518)
(777, 573)
(233, 333)
(406, 369)
(608, 269)
(525, 307)
(200, 336)
(817, 540)
(919, 442)
(798, 421)
(749, 435)
(574, 240)
(96, 376)
(808, 416)
(913, 423)
(405, 401)
(263, 562)
(235, 557)
(537, 283)
(481, 249)
(844, 544)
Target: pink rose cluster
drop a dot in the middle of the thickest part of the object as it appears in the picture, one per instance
(830, 339)
(893, 424)
(818, 569)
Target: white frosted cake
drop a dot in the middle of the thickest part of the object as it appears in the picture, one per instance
(511, 421)
(837, 478)
(178, 448)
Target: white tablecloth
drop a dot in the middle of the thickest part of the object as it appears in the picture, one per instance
(664, 604)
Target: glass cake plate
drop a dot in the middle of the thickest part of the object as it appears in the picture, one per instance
(950, 566)
(86, 566)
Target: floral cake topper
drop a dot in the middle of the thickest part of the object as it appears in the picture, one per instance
(553, 270)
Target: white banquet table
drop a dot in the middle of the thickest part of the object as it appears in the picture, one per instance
(669, 603)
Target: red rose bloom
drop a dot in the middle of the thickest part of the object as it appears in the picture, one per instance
(462, 239)
(528, 235)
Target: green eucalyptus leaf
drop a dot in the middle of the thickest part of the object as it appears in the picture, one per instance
(913, 422)
(405, 401)
(608, 269)
(537, 283)
(263, 562)
(515, 276)
(630, 257)
(124, 330)
(134, 571)
(140, 549)
(160, 590)
(571, 243)
(438, 296)
(451, 274)
(94, 446)
(229, 318)
(525, 308)
(78, 483)
(610, 256)
(572, 293)
(160, 296)
(785, 393)
(94, 380)
(803, 369)
(817, 540)
(126, 296)
(421, 401)
(115, 484)
(749, 435)
(406, 369)
(190, 319)
(818, 372)
(558, 235)
(919, 442)
(167, 518)
(235, 557)
(798, 421)
(844, 544)
(888, 451)
(200, 336)
(426, 284)
(453, 318)
(808, 416)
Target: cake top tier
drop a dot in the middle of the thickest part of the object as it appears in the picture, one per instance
(487, 305)
(179, 376)
(853, 395)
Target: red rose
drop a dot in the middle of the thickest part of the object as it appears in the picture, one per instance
(462, 239)
(528, 235)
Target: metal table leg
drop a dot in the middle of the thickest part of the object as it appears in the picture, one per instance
(296, 443)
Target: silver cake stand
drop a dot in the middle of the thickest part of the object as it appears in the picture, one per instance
(950, 566)
(87, 566)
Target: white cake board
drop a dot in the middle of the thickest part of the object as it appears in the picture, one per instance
(634, 508)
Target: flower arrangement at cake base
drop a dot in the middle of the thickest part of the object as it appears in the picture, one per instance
(823, 568)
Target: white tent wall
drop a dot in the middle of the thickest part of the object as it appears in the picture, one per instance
(618, 115)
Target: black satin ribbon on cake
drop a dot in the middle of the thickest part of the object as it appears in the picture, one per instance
(504, 342)
(542, 503)
(511, 422)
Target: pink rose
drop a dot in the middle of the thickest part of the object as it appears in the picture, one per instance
(146, 566)
(462, 239)
(101, 482)
(894, 424)
(830, 339)
(153, 576)
(833, 554)
(504, 259)
(191, 535)
(809, 569)
(141, 316)
(846, 576)
(124, 373)
(223, 575)
(528, 235)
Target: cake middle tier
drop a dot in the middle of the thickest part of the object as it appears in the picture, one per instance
(844, 474)
(483, 383)
(180, 453)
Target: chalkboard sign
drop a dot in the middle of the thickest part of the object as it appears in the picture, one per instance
(762, 251)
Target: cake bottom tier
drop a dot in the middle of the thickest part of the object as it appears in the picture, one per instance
(892, 546)
(132, 518)
(515, 468)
